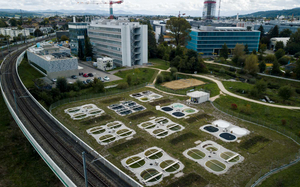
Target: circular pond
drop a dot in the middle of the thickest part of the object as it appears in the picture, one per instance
(167, 109)
(215, 165)
(107, 138)
(167, 163)
(174, 127)
(149, 173)
(134, 159)
(227, 155)
(178, 114)
(238, 131)
(124, 132)
(98, 131)
(177, 105)
(144, 99)
(196, 154)
(227, 136)
(155, 156)
(211, 129)
(221, 123)
(114, 125)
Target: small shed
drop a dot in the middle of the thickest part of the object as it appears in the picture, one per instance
(198, 97)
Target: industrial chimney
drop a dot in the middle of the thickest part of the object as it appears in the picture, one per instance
(209, 9)
(74, 19)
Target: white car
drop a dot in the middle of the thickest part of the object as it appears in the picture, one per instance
(106, 78)
(54, 80)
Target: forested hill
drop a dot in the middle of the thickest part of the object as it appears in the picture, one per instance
(274, 13)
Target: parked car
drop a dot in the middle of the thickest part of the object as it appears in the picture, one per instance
(84, 82)
(80, 73)
(88, 81)
(74, 77)
(85, 75)
(54, 80)
(101, 79)
(106, 78)
(90, 75)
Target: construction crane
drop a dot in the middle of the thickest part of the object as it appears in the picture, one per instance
(219, 10)
(180, 14)
(110, 5)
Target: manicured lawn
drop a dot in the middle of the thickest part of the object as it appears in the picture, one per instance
(288, 177)
(264, 113)
(244, 89)
(139, 75)
(159, 63)
(28, 74)
(20, 164)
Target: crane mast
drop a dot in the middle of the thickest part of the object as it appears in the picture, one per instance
(219, 10)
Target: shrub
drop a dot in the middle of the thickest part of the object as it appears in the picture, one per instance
(123, 85)
(246, 109)
(283, 122)
(232, 69)
(252, 81)
(297, 55)
(254, 92)
(222, 70)
(159, 79)
(167, 78)
(285, 92)
(233, 106)
(279, 54)
(284, 60)
(242, 71)
(129, 79)
(297, 91)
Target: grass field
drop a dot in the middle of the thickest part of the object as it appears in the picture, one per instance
(177, 143)
(28, 74)
(159, 63)
(264, 113)
(20, 165)
(139, 75)
(288, 177)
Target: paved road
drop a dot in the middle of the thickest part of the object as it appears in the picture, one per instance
(262, 74)
(223, 89)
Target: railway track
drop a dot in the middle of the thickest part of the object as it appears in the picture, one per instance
(61, 145)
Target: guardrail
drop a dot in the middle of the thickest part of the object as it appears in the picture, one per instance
(89, 149)
(275, 165)
(52, 165)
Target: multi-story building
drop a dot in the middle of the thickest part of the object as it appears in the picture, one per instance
(77, 32)
(282, 24)
(126, 42)
(209, 40)
(54, 61)
(14, 33)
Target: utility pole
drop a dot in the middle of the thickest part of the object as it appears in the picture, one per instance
(84, 169)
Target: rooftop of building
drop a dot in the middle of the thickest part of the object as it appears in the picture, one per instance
(113, 22)
(41, 47)
(221, 29)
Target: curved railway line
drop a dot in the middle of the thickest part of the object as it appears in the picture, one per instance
(62, 146)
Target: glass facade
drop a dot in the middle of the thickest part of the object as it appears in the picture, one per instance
(77, 32)
(209, 42)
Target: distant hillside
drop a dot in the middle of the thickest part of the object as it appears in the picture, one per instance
(14, 12)
(274, 13)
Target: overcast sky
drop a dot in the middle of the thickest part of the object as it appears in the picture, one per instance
(167, 7)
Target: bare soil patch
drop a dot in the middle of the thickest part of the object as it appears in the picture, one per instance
(183, 83)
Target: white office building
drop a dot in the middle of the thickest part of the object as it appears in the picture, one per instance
(14, 33)
(126, 42)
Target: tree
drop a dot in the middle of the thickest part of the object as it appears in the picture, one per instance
(161, 38)
(159, 79)
(262, 66)
(38, 33)
(239, 50)
(285, 92)
(262, 31)
(180, 30)
(285, 33)
(246, 49)
(224, 51)
(175, 62)
(274, 32)
(129, 79)
(173, 71)
(261, 86)
(251, 64)
(62, 84)
(152, 48)
(297, 69)
(280, 53)
(293, 45)
(88, 48)
(284, 60)
(279, 45)
(64, 38)
(3, 23)
(262, 48)
(270, 59)
(275, 68)
(254, 51)
(98, 86)
(13, 22)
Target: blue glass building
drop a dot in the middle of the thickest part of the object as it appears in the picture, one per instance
(77, 31)
(209, 40)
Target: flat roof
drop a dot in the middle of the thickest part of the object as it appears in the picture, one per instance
(197, 94)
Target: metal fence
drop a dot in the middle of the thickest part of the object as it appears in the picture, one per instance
(275, 164)
(92, 96)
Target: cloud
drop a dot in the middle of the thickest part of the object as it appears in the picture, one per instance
(191, 7)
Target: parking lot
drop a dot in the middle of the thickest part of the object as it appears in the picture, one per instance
(97, 73)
